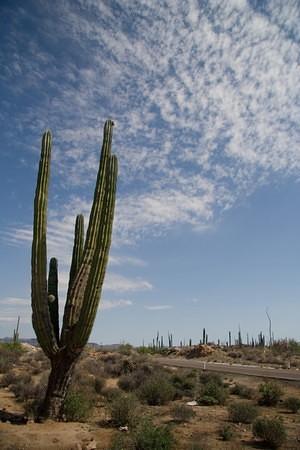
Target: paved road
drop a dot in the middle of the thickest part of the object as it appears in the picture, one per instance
(256, 371)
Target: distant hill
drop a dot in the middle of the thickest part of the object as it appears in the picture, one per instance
(91, 345)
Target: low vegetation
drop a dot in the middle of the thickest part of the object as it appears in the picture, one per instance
(242, 412)
(156, 405)
(270, 393)
(271, 431)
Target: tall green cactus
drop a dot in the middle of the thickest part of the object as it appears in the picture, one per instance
(87, 272)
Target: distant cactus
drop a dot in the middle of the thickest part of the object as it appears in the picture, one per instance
(87, 272)
(16, 333)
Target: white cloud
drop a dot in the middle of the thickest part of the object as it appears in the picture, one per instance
(112, 304)
(158, 307)
(205, 99)
(119, 283)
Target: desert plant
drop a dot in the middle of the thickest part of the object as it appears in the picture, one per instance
(122, 442)
(156, 391)
(212, 393)
(292, 404)
(242, 391)
(77, 407)
(99, 384)
(270, 393)
(210, 377)
(123, 410)
(151, 437)
(183, 384)
(182, 413)
(226, 433)
(87, 273)
(9, 378)
(271, 431)
(242, 412)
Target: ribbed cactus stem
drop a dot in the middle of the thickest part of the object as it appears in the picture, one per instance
(39, 297)
(53, 296)
(103, 191)
(77, 248)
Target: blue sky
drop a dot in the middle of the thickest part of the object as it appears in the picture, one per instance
(206, 101)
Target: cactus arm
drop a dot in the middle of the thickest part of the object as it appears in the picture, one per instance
(77, 248)
(76, 294)
(40, 312)
(53, 296)
(94, 286)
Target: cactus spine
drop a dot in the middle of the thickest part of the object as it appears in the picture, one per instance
(87, 273)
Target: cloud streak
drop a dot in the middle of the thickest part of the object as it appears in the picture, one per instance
(206, 99)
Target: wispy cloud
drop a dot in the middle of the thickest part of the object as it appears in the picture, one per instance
(158, 307)
(205, 98)
(112, 304)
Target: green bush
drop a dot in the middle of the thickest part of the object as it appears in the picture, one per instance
(184, 385)
(110, 393)
(210, 377)
(151, 437)
(77, 407)
(293, 404)
(270, 393)
(182, 413)
(271, 431)
(226, 433)
(212, 390)
(156, 391)
(242, 412)
(206, 400)
(123, 410)
(242, 391)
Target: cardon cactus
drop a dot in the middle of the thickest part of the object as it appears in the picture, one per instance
(89, 260)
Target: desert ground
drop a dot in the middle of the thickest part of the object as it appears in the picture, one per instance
(125, 399)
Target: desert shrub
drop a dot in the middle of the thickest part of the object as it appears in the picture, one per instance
(9, 378)
(271, 431)
(4, 364)
(113, 369)
(270, 393)
(292, 404)
(77, 407)
(235, 355)
(127, 383)
(151, 437)
(91, 366)
(110, 393)
(9, 355)
(156, 391)
(24, 390)
(242, 412)
(226, 433)
(123, 410)
(33, 402)
(182, 413)
(242, 391)
(122, 442)
(125, 349)
(206, 400)
(209, 377)
(212, 393)
(184, 385)
(99, 384)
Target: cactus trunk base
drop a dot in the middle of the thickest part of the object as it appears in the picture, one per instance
(62, 368)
